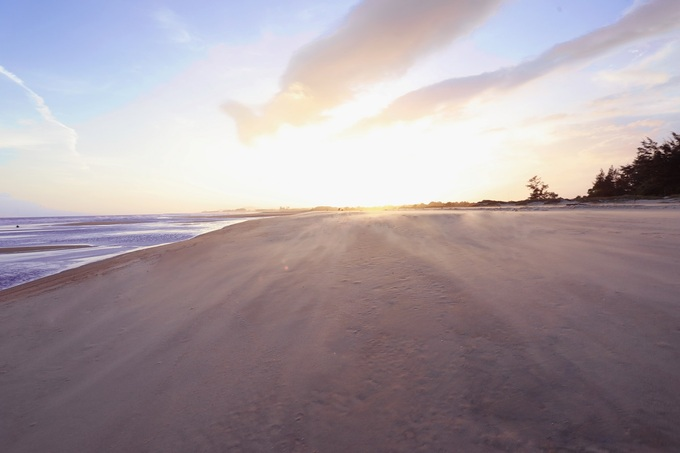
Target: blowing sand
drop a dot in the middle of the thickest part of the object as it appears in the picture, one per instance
(407, 331)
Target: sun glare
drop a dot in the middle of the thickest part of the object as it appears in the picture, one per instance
(393, 166)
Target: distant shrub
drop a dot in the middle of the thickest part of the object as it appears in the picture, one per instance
(539, 190)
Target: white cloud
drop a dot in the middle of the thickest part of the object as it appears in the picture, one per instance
(168, 150)
(43, 159)
(70, 134)
(648, 70)
(177, 31)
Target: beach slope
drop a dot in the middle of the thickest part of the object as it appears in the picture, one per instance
(465, 331)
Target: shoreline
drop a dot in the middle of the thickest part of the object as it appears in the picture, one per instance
(381, 331)
(98, 267)
(55, 245)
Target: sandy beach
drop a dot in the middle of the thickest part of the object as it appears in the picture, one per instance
(468, 330)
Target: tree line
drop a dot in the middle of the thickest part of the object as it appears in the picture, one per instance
(655, 171)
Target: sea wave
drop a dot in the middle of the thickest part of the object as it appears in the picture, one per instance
(35, 247)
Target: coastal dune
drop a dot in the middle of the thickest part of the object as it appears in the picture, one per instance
(468, 330)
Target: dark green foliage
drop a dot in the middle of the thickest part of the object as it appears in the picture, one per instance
(655, 171)
(608, 185)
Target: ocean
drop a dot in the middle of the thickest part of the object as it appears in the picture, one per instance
(35, 247)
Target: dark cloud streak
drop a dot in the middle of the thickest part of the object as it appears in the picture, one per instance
(648, 20)
(377, 39)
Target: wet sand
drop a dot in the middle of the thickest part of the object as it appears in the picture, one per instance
(41, 248)
(446, 331)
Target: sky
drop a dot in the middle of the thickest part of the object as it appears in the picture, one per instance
(159, 106)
